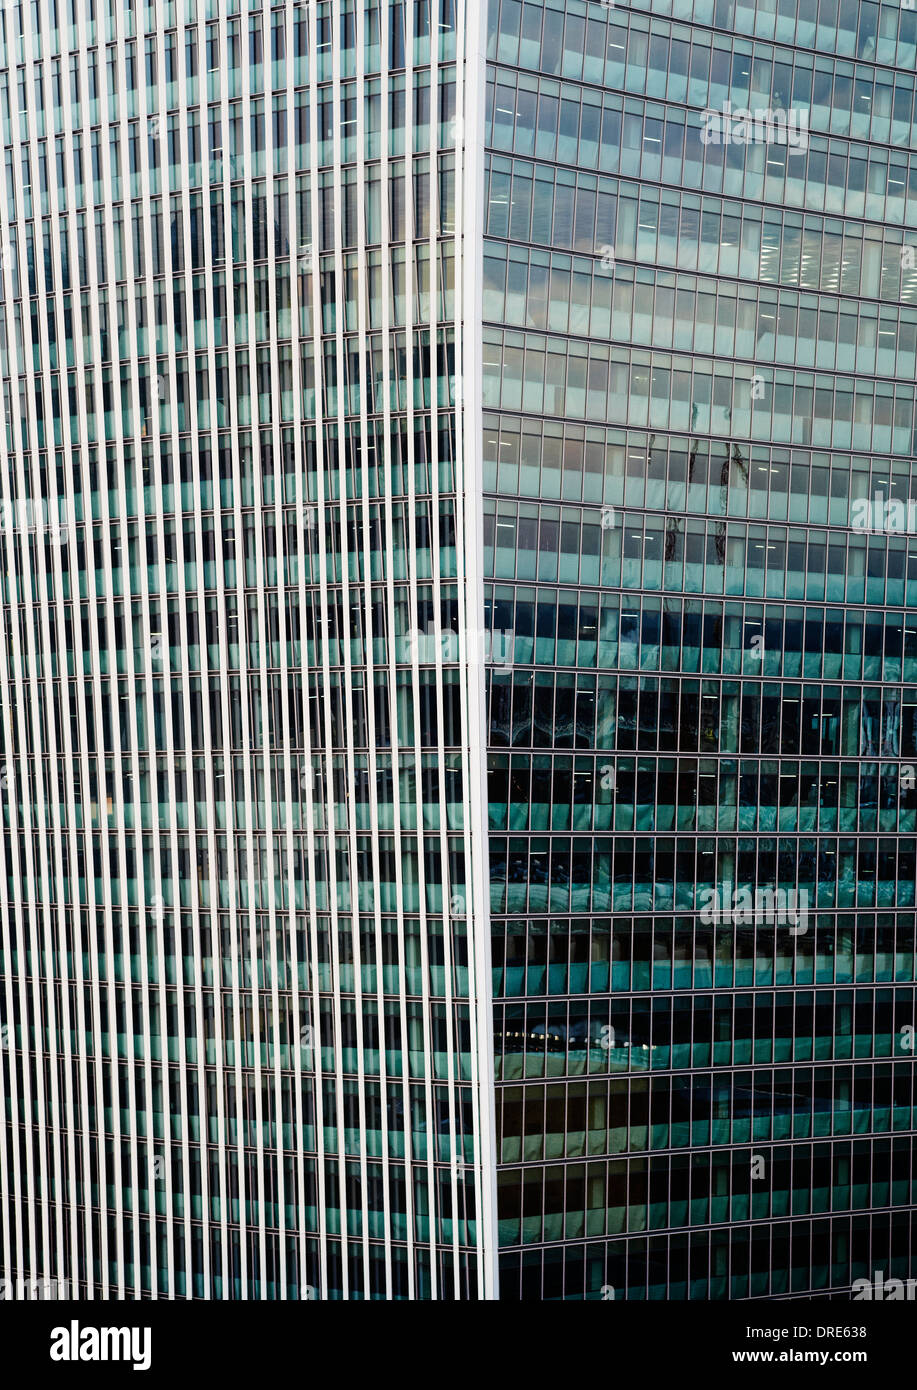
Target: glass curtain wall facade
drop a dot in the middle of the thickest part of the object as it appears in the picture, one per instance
(353, 645)
(699, 363)
(241, 979)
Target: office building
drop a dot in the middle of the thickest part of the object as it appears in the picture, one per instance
(458, 680)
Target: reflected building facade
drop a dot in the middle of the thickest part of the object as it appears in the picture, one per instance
(700, 309)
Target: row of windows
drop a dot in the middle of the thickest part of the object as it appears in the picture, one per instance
(548, 459)
(700, 1109)
(145, 1099)
(258, 716)
(286, 796)
(537, 956)
(254, 43)
(163, 948)
(551, 793)
(751, 1261)
(655, 143)
(624, 1114)
(657, 59)
(198, 321)
(870, 33)
(272, 891)
(582, 955)
(374, 1039)
(179, 636)
(563, 627)
(570, 378)
(548, 709)
(91, 406)
(338, 1272)
(205, 474)
(247, 875)
(599, 1199)
(659, 309)
(425, 717)
(577, 1119)
(523, 542)
(449, 1220)
(384, 542)
(394, 1274)
(264, 1113)
(646, 1193)
(557, 874)
(179, 163)
(551, 37)
(652, 552)
(84, 254)
(577, 211)
(718, 1029)
(153, 381)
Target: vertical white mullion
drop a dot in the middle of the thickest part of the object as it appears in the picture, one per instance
(30, 666)
(304, 785)
(285, 562)
(250, 752)
(273, 852)
(17, 947)
(226, 755)
(115, 704)
(9, 1188)
(148, 522)
(322, 626)
(210, 755)
(222, 673)
(330, 593)
(232, 893)
(456, 1167)
(316, 561)
(167, 672)
(343, 404)
(452, 1080)
(471, 25)
(274, 1049)
(265, 858)
(189, 755)
(387, 348)
(410, 505)
(365, 378)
